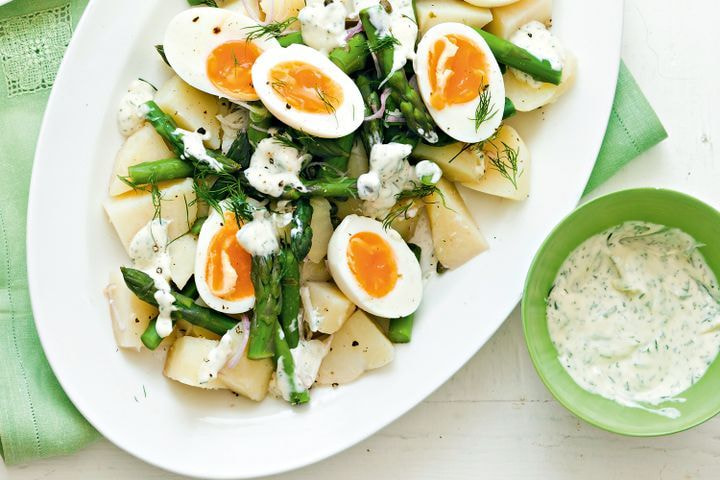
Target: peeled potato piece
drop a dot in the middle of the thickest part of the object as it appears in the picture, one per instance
(145, 145)
(455, 235)
(433, 12)
(314, 272)
(322, 228)
(249, 378)
(506, 20)
(280, 10)
(357, 347)
(130, 316)
(190, 108)
(182, 259)
(459, 162)
(129, 212)
(527, 98)
(325, 307)
(185, 358)
(496, 151)
(490, 3)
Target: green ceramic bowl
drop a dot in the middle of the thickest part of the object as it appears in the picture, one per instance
(664, 207)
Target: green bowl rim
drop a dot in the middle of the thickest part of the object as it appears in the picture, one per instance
(523, 309)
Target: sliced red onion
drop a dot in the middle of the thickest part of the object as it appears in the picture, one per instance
(383, 99)
(376, 62)
(351, 32)
(270, 13)
(237, 355)
(395, 119)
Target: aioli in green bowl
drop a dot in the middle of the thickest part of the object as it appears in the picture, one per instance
(664, 207)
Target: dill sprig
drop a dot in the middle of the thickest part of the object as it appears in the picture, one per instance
(286, 140)
(327, 100)
(483, 111)
(386, 41)
(271, 30)
(505, 161)
(405, 201)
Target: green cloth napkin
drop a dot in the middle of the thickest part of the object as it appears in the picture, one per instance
(36, 417)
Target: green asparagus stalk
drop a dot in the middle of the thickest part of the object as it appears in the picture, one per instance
(400, 329)
(285, 361)
(509, 109)
(190, 289)
(143, 286)
(418, 119)
(168, 129)
(352, 57)
(329, 188)
(372, 130)
(513, 56)
(241, 150)
(290, 39)
(197, 225)
(301, 232)
(260, 120)
(266, 275)
(159, 171)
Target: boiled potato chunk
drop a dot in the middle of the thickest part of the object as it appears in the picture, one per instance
(185, 358)
(145, 145)
(460, 162)
(182, 259)
(358, 163)
(506, 20)
(500, 153)
(314, 272)
(432, 12)
(527, 98)
(131, 211)
(190, 108)
(455, 235)
(348, 207)
(405, 224)
(321, 227)
(130, 315)
(357, 347)
(490, 3)
(282, 10)
(325, 307)
(249, 378)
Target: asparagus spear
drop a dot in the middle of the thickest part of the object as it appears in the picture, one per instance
(159, 170)
(143, 286)
(417, 117)
(168, 129)
(293, 253)
(266, 275)
(290, 39)
(353, 57)
(286, 362)
(509, 109)
(400, 329)
(513, 56)
(329, 188)
(197, 225)
(372, 130)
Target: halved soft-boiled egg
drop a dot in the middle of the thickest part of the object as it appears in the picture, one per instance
(222, 266)
(460, 82)
(209, 49)
(374, 267)
(305, 90)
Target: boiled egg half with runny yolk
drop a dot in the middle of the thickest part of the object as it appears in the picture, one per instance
(460, 82)
(374, 267)
(209, 49)
(222, 266)
(305, 90)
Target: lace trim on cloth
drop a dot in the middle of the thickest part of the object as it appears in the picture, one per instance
(31, 48)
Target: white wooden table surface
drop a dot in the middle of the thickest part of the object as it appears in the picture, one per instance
(494, 419)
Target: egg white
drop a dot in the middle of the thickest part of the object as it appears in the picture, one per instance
(211, 226)
(346, 118)
(458, 121)
(194, 33)
(404, 298)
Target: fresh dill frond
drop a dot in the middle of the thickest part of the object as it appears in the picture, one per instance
(386, 41)
(209, 3)
(405, 201)
(286, 140)
(464, 149)
(505, 161)
(483, 111)
(278, 86)
(327, 100)
(271, 30)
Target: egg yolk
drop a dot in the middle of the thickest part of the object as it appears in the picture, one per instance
(457, 70)
(305, 87)
(229, 65)
(227, 271)
(372, 262)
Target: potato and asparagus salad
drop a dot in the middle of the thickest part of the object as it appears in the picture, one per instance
(286, 194)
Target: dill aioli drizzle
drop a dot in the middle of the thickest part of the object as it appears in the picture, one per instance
(634, 315)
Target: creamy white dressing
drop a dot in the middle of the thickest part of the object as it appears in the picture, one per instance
(538, 40)
(260, 237)
(634, 315)
(307, 356)
(221, 353)
(401, 24)
(274, 166)
(428, 172)
(148, 251)
(323, 26)
(131, 116)
(312, 315)
(232, 124)
(422, 237)
(193, 147)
